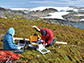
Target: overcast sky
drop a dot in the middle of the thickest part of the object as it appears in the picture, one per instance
(38, 3)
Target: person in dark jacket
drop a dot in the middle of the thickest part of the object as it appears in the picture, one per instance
(46, 35)
(8, 42)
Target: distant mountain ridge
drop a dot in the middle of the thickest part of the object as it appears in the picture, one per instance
(42, 8)
(54, 15)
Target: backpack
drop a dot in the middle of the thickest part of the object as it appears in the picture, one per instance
(6, 55)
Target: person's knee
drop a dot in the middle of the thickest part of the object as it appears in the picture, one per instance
(53, 41)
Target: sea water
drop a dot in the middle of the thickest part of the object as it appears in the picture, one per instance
(78, 25)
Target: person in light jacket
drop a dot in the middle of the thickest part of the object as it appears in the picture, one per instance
(8, 42)
(47, 36)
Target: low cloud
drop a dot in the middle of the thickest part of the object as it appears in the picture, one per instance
(59, 2)
(40, 1)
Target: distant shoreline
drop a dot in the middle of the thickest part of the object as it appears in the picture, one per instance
(67, 23)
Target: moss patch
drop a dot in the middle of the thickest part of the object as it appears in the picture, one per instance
(71, 53)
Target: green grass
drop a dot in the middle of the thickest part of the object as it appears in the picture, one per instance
(73, 52)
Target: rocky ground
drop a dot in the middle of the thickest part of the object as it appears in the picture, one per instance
(71, 17)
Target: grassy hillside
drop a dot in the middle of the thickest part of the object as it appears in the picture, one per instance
(73, 52)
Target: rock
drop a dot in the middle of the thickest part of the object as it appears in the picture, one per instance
(1, 35)
(12, 16)
(3, 16)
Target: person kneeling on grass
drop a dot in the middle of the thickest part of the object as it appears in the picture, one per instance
(8, 42)
(47, 36)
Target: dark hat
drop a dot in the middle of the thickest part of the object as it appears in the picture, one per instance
(43, 32)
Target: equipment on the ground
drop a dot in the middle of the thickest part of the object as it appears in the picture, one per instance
(42, 49)
(60, 42)
(6, 60)
(16, 38)
(22, 43)
(35, 41)
(7, 56)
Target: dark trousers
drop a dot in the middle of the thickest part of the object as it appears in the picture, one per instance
(18, 51)
(52, 42)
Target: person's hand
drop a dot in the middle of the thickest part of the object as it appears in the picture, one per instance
(19, 47)
(13, 38)
(44, 44)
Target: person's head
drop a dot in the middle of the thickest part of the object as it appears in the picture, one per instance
(43, 32)
(11, 31)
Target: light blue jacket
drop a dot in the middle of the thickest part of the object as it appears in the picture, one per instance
(8, 40)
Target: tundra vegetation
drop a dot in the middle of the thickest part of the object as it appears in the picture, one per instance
(73, 52)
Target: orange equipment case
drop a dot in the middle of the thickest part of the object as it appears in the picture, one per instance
(33, 39)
